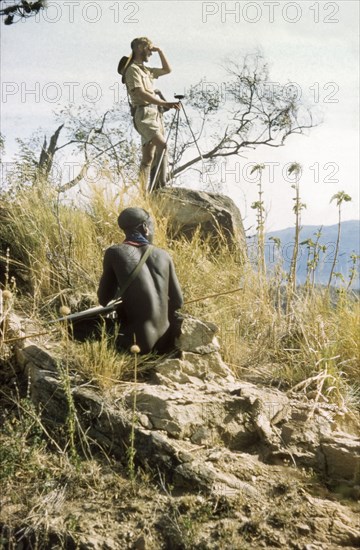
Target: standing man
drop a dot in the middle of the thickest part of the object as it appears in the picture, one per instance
(147, 107)
(149, 304)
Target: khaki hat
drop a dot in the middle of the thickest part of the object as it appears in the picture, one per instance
(123, 65)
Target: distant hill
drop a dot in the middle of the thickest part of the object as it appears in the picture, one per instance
(349, 243)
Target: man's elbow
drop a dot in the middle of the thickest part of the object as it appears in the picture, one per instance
(102, 297)
(179, 302)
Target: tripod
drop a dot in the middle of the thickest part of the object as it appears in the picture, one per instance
(175, 120)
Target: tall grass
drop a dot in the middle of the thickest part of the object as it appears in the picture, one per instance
(61, 246)
(56, 244)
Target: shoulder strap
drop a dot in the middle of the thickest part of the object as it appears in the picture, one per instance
(127, 91)
(135, 271)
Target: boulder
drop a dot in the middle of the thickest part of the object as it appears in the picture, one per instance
(197, 336)
(216, 216)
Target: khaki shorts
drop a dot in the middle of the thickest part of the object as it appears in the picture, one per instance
(148, 122)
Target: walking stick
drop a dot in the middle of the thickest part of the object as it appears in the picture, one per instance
(152, 184)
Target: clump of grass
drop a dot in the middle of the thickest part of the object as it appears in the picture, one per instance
(100, 362)
(51, 239)
(322, 347)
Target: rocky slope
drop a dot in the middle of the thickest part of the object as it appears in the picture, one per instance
(232, 464)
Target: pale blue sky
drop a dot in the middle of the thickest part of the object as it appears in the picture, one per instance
(319, 51)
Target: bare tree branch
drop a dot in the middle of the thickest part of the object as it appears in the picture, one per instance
(22, 10)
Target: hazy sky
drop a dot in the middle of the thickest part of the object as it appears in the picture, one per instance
(71, 51)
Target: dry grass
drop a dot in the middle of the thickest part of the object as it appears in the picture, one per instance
(46, 479)
(62, 247)
(102, 365)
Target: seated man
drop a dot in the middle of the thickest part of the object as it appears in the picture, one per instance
(147, 313)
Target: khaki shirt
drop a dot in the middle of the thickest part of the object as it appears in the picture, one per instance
(139, 76)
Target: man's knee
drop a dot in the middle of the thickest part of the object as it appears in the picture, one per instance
(146, 163)
(148, 158)
(159, 142)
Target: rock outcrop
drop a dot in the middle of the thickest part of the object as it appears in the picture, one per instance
(216, 216)
(193, 405)
(248, 450)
